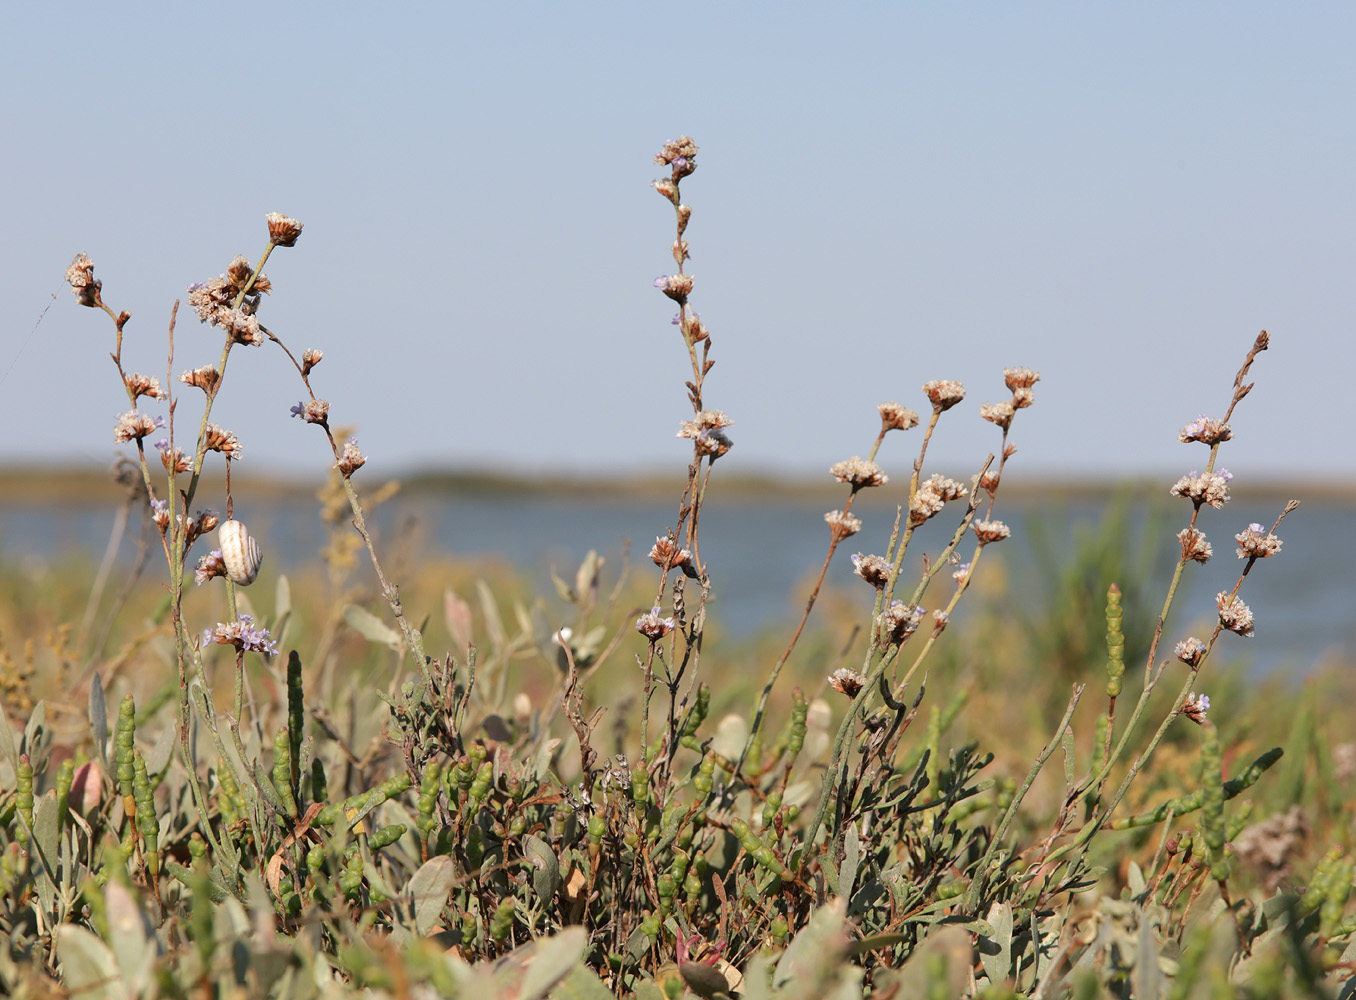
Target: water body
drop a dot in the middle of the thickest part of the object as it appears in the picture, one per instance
(759, 552)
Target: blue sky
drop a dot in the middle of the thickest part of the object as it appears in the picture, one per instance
(1119, 195)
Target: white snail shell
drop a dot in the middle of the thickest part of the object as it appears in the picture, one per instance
(239, 552)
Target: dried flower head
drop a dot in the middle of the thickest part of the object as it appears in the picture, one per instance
(282, 230)
(989, 481)
(84, 286)
(944, 393)
(676, 286)
(899, 621)
(1194, 545)
(842, 525)
(998, 413)
(1022, 398)
(680, 154)
(135, 425)
(666, 554)
(1189, 651)
(1204, 487)
(209, 566)
(666, 188)
(693, 328)
(1205, 429)
(351, 460)
(144, 385)
(875, 570)
(219, 439)
(932, 494)
(940, 620)
(684, 217)
(214, 300)
(860, 473)
(313, 411)
(990, 531)
(204, 378)
(1255, 542)
(847, 682)
(1234, 614)
(242, 326)
(242, 634)
(174, 460)
(1195, 707)
(896, 417)
(961, 572)
(309, 359)
(653, 627)
(160, 513)
(1020, 378)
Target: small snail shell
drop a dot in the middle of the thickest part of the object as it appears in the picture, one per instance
(239, 552)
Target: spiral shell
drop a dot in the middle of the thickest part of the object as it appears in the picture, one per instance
(239, 552)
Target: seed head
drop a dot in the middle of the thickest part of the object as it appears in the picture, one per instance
(175, 461)
(209, 566)
(653, 627)
(1234, 614)
(144, 385)
(313, 411)
(1204, 487)
(894, 417)
(998, 413)
(932, 494)
(84, 286)
(1195, 707)
(842, 525)
(875, 570)
(1255, 542)
(351, 460)
(309, 359)
(990, 531)
(1020, 378)
(944, 393)
(666, 554)
(135, 425)
(1194, 545)
(680, 154)
(224, 441)
(847, 682)
(204, 378)
(899, 621)
(241, 634)
(282, 230)
(1189, 651)
(676, 286)
(666, 188)
(1205, 429)
(860, 473)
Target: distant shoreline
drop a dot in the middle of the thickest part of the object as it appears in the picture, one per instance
(48, 485)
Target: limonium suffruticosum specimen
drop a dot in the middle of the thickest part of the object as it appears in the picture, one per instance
(680, 548)
(895, 622)
(1203, 488)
